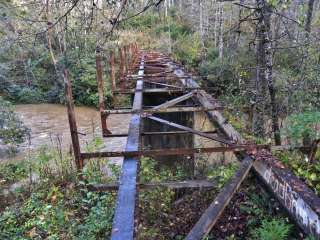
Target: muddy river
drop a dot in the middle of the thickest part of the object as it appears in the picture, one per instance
(48, 122)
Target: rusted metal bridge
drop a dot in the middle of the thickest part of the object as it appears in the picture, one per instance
(164, 99)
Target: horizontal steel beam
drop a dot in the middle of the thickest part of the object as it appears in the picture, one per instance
(174, 101)
(158, 110)
(152, 75)
(173, 151)
(175, 125)
(164, 84)
(173, 185)
(156, 133)
(150, 90)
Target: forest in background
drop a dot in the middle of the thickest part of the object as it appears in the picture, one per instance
(259, 58)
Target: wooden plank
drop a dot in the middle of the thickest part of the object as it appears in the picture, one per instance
(214, 211)
(72, 121)
(173, 185)
(175, 125)
(123, 221)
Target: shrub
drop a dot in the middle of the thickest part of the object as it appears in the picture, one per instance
(303, 126)
(12, 129)
(11, 172)
(142, 21)
(84, 83)
(176, 30)
(275, 229)
(21, 94)
(56, 213)
(187, 49)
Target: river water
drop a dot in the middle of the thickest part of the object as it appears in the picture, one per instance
(48, 122)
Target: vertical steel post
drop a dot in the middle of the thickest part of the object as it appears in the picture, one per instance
(72, 122)
(112, 76)
(122, 68)
(99, 70)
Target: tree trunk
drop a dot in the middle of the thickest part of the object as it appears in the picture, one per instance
(201, 22)
(49, 37)
(307, 26)
(268, 72)
(259, 89)
(215, 27)
(265, 68)
(221, 31)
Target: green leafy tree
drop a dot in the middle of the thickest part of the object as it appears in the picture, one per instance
(303, 126)
(12, 129)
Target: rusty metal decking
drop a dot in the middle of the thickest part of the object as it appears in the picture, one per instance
(155, 74)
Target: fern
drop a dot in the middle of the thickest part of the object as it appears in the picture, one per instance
(276, 229)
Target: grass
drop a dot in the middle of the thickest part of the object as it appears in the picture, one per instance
(57, 205)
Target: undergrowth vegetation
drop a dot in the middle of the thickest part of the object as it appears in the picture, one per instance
(51, 202)
(12, 129)
(299, 164)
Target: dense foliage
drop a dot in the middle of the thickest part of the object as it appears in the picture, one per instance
(12, 129)
(301, 166)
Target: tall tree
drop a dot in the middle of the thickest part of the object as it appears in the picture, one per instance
(307, 26)
(265, 73)
(221, 22)
(259, 83)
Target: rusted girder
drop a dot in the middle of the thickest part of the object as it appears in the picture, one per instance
(173, 185)
(302, 204)
(151, 90)
(175, 125)
(173, 151)
(99, 70)
(155, 133)
(112, 76)
(123, 221)
(214, 211)
(163, 84)
(72, 121)
(153, 74)
(175, 101)
(158, 110)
